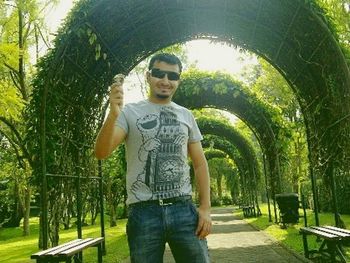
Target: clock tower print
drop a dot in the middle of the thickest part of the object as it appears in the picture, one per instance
(161, 152)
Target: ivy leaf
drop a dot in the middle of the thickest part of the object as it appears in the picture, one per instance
(220, 88)
(92, 38)
(236, 93)
(98, 51)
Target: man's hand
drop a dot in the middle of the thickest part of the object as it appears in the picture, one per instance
(204, 223)
(116, 95)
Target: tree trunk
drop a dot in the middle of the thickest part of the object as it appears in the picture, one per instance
(219, 181)
(40, 239)
(21, 71)
(113, 217)
(125, 210)
(26, 211)
(17, 209)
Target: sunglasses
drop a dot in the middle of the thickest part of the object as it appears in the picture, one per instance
(159, 74)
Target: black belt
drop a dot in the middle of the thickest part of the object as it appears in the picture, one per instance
(167, 201)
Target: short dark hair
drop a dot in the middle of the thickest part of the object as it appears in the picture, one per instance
(167, 58)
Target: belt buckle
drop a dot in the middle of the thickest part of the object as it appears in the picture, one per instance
(161, 202)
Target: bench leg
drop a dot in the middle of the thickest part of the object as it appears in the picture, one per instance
(306, 247)
(99, 253)
(340, 253)
(78, 258)
(323, 245)
(332, 247)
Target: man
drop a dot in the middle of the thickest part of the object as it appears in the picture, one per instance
(159, 135)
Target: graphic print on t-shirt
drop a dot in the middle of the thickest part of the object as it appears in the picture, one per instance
(161, 152)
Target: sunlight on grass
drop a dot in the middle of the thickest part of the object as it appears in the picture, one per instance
(290, 237)
(21, 248)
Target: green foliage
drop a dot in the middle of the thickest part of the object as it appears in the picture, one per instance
(272, 88)
(11, 104)
(114, 173)
(336, 13)
(243, 155)
(197, 91)
(71, 84)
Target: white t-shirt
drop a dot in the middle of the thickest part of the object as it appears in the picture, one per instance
(156, 149)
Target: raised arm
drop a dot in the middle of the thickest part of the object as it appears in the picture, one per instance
(110, 135)
(201, 171)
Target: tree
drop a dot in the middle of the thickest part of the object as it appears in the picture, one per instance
(271, 87)
(21, 24)
(339, 14)
(221, 169)
(114, 172)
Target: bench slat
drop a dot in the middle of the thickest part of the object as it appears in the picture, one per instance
(333, 231)
(58, 251)
(44, 252)
(80, 247)
(346, 231)
(319, 233)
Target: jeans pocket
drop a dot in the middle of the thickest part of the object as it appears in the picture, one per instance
(193, 209)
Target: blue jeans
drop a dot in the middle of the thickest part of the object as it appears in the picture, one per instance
(150, 226)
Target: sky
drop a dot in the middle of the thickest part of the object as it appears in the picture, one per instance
(206, 55)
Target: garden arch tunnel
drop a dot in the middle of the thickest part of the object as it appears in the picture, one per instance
(200, 89)
(228, 148)
(212, 153)
(249, 193)
(247, 160)
(105, 37)
(229, 133)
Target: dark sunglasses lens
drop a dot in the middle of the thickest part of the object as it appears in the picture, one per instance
(158, 73)
(173, 76)
(161, 74)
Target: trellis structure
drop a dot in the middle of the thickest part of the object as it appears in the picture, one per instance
(229, 149)
(105, 37)
(251, 173)
(200, 89)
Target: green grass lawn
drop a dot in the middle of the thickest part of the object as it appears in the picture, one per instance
(290, 237)
(15, 248)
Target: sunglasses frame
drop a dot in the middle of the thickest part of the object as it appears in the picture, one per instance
(160, 74)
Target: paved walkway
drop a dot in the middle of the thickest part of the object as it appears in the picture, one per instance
(233, 240)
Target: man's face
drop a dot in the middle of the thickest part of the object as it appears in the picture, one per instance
(163, 81)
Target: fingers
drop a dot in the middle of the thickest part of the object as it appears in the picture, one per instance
(117, 93)
(116, 97)
(203, 231)
(203, 228)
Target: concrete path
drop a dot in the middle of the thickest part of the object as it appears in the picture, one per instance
(233, 240)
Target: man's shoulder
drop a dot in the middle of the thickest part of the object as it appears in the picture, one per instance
(181, 108)
(177, 106)
(135, 105)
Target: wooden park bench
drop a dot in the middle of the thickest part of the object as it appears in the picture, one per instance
(332, 240)
(248, 211)
(67, 251)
